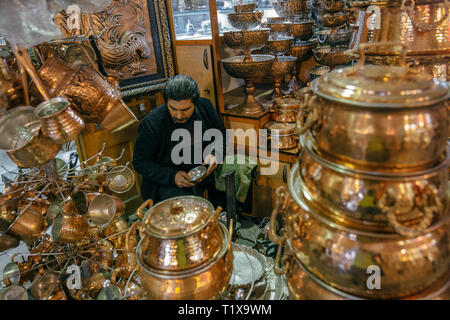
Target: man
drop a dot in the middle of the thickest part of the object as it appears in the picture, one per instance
(163, 176)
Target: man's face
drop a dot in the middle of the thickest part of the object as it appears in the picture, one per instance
(181, 111)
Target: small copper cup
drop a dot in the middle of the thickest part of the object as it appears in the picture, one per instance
(29, 226)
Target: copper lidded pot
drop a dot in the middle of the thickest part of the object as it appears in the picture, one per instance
(282, 135)
(185, 252)
(379, 117)
(285, 110)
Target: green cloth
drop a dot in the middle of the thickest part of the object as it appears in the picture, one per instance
(242, 177)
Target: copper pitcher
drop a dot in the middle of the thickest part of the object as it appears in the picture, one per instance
(29, 226)
(22, 139)
(96, 100)
(59, 121)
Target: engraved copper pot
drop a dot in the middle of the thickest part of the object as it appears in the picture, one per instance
(279, 28)
(180, 233)
(405, 204)
(282, 133)
(302, 29)
(380, 117)
(69, 227)
(206, 281)
(90, 94)
(317, 72)
(333, 37)
(59, 121)
(245, 20)
(290, 9)
(331, 56)
(285, 110)
(333, 20)
(341, 256)
(247, 40)
(22, 139)
(248, 7)
(330, 6)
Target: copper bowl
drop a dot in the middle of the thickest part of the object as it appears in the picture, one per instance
(181, 233)
(283, 65)
(22, 139)
(29, 226)
(317, 72)
(279, 28)
(207, 281)
(302, 50)
(260, 66)
(302, 30)
(275, 19)
(331, 56)
(245, 20)
(247, 40)
(248, 7)
(59, 121)
(103, 209)
(285, 109)
(330, 6)
(333, 37)
(279, 45)
(333, 20)
(290, 9)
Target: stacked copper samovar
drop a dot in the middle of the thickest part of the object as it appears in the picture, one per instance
(421, 25)
(366, 215)
(248, 67)
(332, 34)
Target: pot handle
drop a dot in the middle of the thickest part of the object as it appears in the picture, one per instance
(217, 212)
(301, 125)
(362, 55)
(147, 203)
(282, 202)
(410, 7)
(429, 191)
(133, 228)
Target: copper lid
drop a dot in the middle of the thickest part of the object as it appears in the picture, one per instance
(280, 128)
(380, 86)
(178, 217)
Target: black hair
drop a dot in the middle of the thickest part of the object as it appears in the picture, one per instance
(181, 87)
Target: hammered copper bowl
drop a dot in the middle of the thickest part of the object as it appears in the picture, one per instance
(302, 50)
(283, 65)
(22, 139)
(245, 20)
(206, 281)
(405, 204)
(302, 29)
(333, 37)
(246, 40)
(179, 247)
(341, 256)
(331, 56)
(69, 228)
(259, 67)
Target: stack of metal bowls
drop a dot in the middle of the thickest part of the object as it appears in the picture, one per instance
(367, 212)
(332, 33)
(185, 253)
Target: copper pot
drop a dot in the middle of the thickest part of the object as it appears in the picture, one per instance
(92, 96)
(390, 203)
(29, 226)
(102, 257)
(180, 233)
(369, 123)
(331, 56)
(104, 208)
(44, 284)
(282, 133)
(8, 242)
(69, 227)
(341, 256)
(59, 121)
(206, 281)
(22, 139)
(285, 110)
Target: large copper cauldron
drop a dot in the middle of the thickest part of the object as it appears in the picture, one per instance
(92, 96)
(341, 256)
(378, 117)
(185, 253)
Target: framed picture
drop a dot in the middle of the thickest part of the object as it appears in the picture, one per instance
(133, 39)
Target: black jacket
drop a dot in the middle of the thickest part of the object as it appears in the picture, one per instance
(153, 148)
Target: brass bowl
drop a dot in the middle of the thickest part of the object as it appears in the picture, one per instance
(245, 20)
(302, 51)
(283, 65)
(259, 67)
(248, 7)
(280, 28)
(333, 37)
(341, 256)
(279, 45)
(120, 179)
(247, 40)
(290, 9)
(333, 20)
(181, 233)
(331, 56)
(275, 20)
(22, 139)
(59, 121)
(206, 281)
(302, 30)
(330, 6)
(285, 110)
(376, 202)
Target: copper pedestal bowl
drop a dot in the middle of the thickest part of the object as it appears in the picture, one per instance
(279, 28)
(302, 29)
(260, 66)
(333, 37)
(317, 72)
(245, 20)
(275, 19)
(333, 20)
(331, 56)
(247, 40)
(248, 7)
(290, 9)
(282, 66)
(279, 45)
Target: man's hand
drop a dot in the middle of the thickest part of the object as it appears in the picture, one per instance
(182, 180)
(211, 162)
